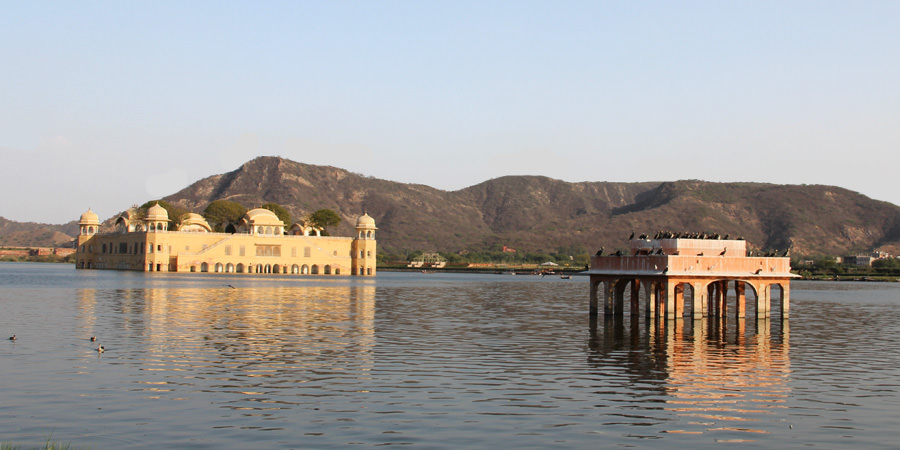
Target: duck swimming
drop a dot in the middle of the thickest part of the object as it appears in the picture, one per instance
(99, 349)
(12, 338)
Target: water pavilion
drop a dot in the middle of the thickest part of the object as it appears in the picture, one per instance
(690, 277)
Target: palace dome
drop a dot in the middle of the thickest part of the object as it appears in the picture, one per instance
(157, 213)
(194, 222)
(262, 216)
(365, 221)
(89, 218)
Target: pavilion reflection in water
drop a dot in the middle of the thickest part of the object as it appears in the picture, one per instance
(722, 375)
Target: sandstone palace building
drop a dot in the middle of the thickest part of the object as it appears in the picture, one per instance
(258, 245)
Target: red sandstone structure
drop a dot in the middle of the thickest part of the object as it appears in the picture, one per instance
(690, 277)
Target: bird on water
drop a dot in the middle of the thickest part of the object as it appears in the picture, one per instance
(100, 349)
(12, 338)
(93, 338)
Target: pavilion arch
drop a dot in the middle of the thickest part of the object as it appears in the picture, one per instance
(776, 296)
(229, 268)
(327, 269)
(204, 266)
(733, 297)
(621, 289)
(239, 268)
(304, 270)
(686, 301)
(295, 269)
(315, 269)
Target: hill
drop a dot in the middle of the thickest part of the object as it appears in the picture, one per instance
(31, 234)
(539, 214)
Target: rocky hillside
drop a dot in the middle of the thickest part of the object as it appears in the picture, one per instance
(542, 214)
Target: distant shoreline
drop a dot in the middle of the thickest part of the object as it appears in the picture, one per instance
(502, 271)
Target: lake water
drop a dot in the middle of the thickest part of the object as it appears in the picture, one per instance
(430, 361)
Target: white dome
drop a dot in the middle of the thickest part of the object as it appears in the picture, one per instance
(365, 221)
(262, 216)
(157, 213)
(89, 218)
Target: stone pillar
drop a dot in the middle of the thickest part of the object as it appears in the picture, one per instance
(671, 308)
(723, 298)
(785, 300)
(609, 296)
(741, 299)
(650, 289)
(619, 307)
(594, 302)
(763, 301)
(635, 296)
(699, 301)
(677, 291)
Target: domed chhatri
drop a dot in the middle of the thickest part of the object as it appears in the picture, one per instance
(89, 217)
(259, 242)
(194, 222)
(89, 223)
(157, 213)
(365, 221)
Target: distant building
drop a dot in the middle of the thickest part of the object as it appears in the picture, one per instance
(429, 260)
(257, 245)
(857, 260)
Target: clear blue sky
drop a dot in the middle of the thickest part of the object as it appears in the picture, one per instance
(105, 104)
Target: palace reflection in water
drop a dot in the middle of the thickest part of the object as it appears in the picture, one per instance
(246, 340)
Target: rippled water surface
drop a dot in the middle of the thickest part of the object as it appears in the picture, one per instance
(430, 361)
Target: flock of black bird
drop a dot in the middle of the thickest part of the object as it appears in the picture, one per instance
(666, 234)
